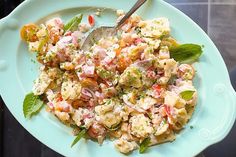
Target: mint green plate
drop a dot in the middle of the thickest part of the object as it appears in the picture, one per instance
(215, 112)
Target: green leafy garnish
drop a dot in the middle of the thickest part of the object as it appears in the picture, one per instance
(186, 53)
(73, 24)
(31, 105)
(187, 95)
(78, 137)
(144, 145)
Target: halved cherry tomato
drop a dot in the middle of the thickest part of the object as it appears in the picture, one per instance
(78, 103)
(90, 83)
(118, 51)
(123, 63)
(96, 130)
(91, 20)
(28, 32)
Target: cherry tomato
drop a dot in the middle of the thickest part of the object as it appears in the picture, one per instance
(28, 32)
(90, 83)
(96, 130)
(123, 63)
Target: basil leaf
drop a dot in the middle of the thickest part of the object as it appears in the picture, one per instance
(31, 105)
(186, 53)
(187, 95)
(72, 25)
(78, 137)
(144, 145)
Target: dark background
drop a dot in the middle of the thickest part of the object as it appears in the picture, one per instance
(216, 17)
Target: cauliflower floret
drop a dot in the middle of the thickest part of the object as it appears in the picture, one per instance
(131, 77)
(135, 52)
(82, 114)
(181, 118)
(107, 107)
(170, 68)
(41, 83)
(186, 72)
(161, 128)
(107, 114)
(70, 90)
(125, 146)
(51, 96)
(153, 43)
(155, 28)
(146, 102)
(63, 116)
(110, 119)
(140, 126)
(54, 73)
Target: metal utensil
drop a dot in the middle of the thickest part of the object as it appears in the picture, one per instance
(104, 31)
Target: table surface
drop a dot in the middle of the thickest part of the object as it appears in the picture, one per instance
(216, 17)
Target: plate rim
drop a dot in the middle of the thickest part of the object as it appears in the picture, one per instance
(229, 86)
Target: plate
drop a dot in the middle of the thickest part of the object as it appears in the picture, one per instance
(215, 111)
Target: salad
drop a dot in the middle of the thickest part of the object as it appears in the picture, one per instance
(134, 88)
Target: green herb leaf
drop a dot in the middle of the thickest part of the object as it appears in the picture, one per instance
(144, 145)
(186, 53)
(78, 137)
(187, 95)
(73, 24)
(31, 105)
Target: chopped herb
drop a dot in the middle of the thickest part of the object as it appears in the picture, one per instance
(33, 61)
(144, 145)
(172, 80)
(104, 74)
(78, 137)
(164, 121)
(109, 102)
(138, 30)
(191, 127)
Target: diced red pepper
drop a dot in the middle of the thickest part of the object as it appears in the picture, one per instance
(91, 20)
(157, 88)
(168, 110)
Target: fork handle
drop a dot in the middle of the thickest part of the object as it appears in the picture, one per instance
(138, 4)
